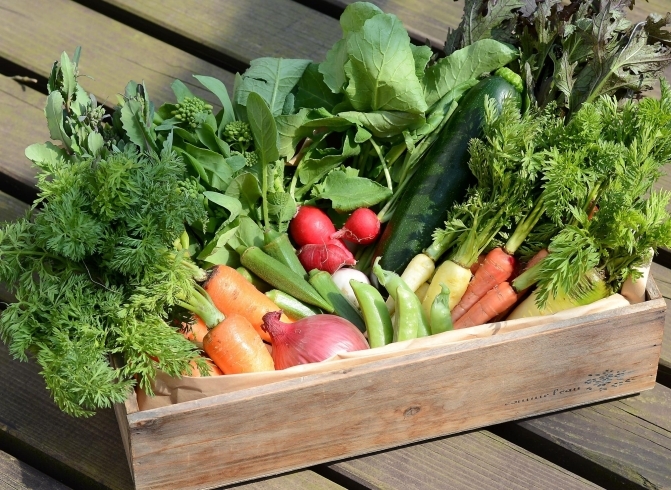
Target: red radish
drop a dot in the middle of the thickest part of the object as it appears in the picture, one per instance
(311, 339)
(311, 226)
(329, 256)
(362, 227)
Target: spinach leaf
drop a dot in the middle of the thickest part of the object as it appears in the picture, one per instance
(347, 191)
(313, 91)
(384, 124)
(271, 78)
(464, 65)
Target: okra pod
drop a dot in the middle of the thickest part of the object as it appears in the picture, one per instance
(282, 277)
(279, 247)
(323, 283)
(291, 307)
(375, 314)
(254, 279)
(441, 316)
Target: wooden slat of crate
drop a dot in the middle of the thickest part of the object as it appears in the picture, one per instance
(619, 444)
(483, 459)
(84, 453)
(663, 279)
(34, 33)
(16, 475)
(244, 29)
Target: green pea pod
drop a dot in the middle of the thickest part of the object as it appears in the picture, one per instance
(375, 314)
(441, 316)
(393, 283)
(409, 315)
(281, 277)
(279, 247)
(323, 283)
(291, 307)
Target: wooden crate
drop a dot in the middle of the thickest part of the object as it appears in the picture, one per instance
(319, 418)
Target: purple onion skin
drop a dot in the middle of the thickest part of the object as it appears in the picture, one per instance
(312, 339)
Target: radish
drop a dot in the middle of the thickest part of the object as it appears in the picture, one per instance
(329, 256)
(362, 227)
(311, 226)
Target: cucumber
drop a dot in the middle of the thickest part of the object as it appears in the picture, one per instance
(441, 180)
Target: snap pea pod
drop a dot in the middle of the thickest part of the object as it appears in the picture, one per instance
(375, 314)
(278, 246)
(393, 283)
(409, 314)
(323, 283)
(441, 316)
(291, 307)
(282, 277)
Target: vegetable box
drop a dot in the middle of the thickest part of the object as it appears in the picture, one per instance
(301, 422)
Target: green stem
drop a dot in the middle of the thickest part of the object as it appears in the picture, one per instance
(439, 247)
(524, 228)
(528, 278)
(201, 304)
(478, 239)
(384, 164)
(264, 191)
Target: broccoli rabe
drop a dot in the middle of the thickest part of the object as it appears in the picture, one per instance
(192, 111)
(239, 135)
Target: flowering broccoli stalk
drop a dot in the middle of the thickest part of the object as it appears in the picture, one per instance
(192, 111)
(239, 135)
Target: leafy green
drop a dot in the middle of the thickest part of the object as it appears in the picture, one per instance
(347, 191)
(271, 78)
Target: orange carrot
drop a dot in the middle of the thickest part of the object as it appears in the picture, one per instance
(195, 372)
(497, 300)
(476, 265)
(236, 348)
(496, 268)
(233, 294)
(196, 331)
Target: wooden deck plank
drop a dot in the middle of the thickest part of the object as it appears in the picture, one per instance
(33, 36)
(662, 277)
(84, 453)
(467, 461)
(244, 29)
(23, 123)
(620, 444)
(17, 475)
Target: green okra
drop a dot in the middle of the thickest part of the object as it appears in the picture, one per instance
(278, 246)
(291, 307)
(323, 283)
(254, 279)
(375, 314)
(282, 277)
(441, 316)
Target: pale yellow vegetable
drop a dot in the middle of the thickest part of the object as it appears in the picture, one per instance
(454, 277)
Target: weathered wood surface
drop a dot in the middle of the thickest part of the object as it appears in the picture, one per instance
(22, 123)
(33, 37)
(473, 461)
(244, 29)
(17, 475)
(663, 279)
(620, 444)
(331, 414)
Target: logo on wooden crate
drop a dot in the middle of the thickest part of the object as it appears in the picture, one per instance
(610, 378)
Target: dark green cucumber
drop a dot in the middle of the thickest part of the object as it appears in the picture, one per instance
(440, 180)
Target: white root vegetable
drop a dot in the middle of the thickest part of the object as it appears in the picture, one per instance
(421, 291)
(454, 277)
(418, 271)
(342, 278)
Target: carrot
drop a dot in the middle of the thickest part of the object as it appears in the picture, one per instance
(236, 347)
(233, 294)
(196, 330)
(476, 265)
(497, 300)
(212, 367)
(496, 268)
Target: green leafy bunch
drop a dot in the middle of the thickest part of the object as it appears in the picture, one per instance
(192, 111)
(571, 52)
(607, 214)
(95, 273)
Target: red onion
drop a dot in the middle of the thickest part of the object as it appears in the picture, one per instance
(311, 339)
